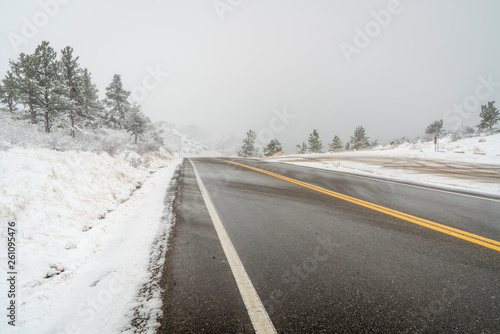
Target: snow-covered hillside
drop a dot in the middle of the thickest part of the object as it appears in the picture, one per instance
(180, 144)
(86, 225)
(488, 146)
(174, 143)
(91, 213)
(225, 143)
(92, 221)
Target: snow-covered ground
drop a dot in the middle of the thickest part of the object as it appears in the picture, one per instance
(181, 144)
(87, 227)
(92, 229)
(471, 164)
(222, 143)
(16, 132)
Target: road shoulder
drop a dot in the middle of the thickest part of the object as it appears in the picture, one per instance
(200, 291)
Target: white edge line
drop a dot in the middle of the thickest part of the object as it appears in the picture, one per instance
(256, 310)
(414, 184)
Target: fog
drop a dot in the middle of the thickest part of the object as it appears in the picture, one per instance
(282, 67)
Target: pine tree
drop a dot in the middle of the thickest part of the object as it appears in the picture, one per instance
(315, 145)
(72, 79)
(117, 102)
(39, 86)
(489, 116)
(50, 97)
(26, 90)
(336, 145)
(2, 94)
(302, 149)
(8, 92)
(435, 128)
(136, 122)
(359, 140)
(272, 148)
(91, 107)
(248, 148)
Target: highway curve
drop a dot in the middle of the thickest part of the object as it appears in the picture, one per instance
(329, 252)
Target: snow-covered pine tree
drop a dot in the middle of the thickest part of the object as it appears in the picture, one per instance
(52, 100)
(435, 128)
(136, 122)
(248, 148)
(302, 149)
(117, 102)
(26, 90)
(336, 145)
(272, 148)
(8, 94)
(39, 85)
(2, 94)
(91, 107)
(315, 145)
(359, 140)
(71, 74)
(489, 116)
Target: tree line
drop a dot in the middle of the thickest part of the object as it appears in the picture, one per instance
(56, 91)
(489, 115)
(314, 145)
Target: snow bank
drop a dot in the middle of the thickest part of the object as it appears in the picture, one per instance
(483, 149)
(85, 226)
(463, 155)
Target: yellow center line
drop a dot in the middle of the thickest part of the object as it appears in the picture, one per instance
(477, 239)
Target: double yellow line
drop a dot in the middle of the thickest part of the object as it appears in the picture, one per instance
(477, 239)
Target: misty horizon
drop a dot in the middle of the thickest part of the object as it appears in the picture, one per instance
(392, 67)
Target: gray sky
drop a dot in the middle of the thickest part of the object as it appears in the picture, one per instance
(232, 68)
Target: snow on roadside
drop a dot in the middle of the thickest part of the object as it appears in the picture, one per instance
(85, 225)
(481, 151)
(485, 150)
(450, 183)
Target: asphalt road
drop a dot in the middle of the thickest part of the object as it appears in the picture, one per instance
(324, 264)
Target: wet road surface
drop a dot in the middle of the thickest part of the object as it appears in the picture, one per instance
(325, 263)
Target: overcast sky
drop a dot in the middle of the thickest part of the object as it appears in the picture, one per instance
(233, 64)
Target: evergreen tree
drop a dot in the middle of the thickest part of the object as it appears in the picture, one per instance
(248, 148)
(359, 140)
(2, 93)
(26, 91)
(39, 86)
(435, 128)
(302, 149)
(489, 116)
(336, 145)
(117, 102)
(72, 79)
(8, 91)
(315, 144)
(91, 107)
(50, 97)
(136, 122)
(272, 148)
